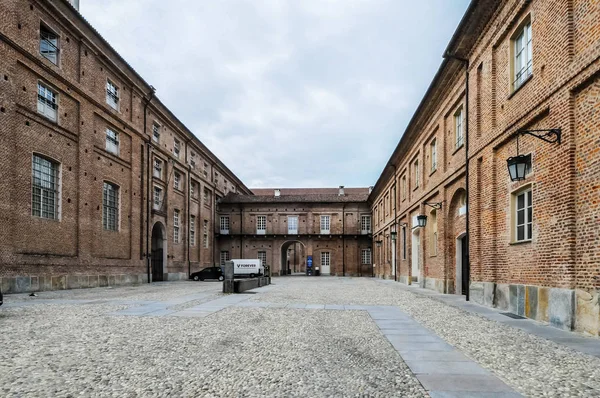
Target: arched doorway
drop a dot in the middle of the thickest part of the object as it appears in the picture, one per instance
(457, 250)
(159, 251)
(414, 256)
(293, 258)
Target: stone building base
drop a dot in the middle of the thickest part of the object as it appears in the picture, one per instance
(27, 284)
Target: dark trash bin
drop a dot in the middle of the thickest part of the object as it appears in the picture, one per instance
(317, 271)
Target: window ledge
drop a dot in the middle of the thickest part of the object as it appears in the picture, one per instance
(432, 171)
(520, 242)
(415, 188)
(458, 148)
(517, 89)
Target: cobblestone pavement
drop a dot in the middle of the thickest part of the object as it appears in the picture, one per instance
(309, 337)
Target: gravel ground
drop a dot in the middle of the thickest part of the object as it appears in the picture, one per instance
(531, 365)
(62, 350)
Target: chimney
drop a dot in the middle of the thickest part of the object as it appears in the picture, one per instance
(75, 4)
(341, 193)
(277, 193)
(371, 189)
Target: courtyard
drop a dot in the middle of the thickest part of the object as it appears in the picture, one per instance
(300, 336)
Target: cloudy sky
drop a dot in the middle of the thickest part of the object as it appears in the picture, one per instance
(288, 93)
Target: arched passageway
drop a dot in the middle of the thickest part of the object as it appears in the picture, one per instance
(159, 252)
(293, 258)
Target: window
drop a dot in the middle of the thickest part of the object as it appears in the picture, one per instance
(177, 181)
(462, 210)
(112, 142)
(157, 202)
(262, 256)
(523, 215)
(157, 168)
(416, 169)
(325, 224)
(192, 160)
(193, 189)
(112, 95)
(292, 225)
(365, 225)
(193, 230)
(261, 225)
(458, 127)
(523, 57)
(433, 154)
(205, 169)
(44, 188)
(365, 256)
(155, 132)
(403, 243)
(325, 259)
(176, 226)
(224, 225)
(110, 207)
(47, 104)
(206, 197)
(403, 187)
(205, 234)
(224, 257)
(176, 147)
(432, 223)
(49, 45)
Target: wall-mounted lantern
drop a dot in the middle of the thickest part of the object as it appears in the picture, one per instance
(520, 164)
(421, 221)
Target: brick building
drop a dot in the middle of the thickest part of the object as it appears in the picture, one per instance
(286, 227)
(533, 244)
(101, 183)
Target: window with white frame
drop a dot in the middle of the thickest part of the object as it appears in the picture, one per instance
(261, 225)
(325, 259)
(176, 147)
(112, 141)
(206, 197)
(205, 169)
(404, 187)
(292, 222)
(523, 215)
(459, 118)
(224, 257)
(45, 188)
(193, 230)
(47, 103)
(325, 224)
(262, 256)
(365, 224)
(49, 44)
(177, 181)
(433, 154)
(155, 132)
(110, 207)
(365, 256)
(403, 243)
(157, 168)
(224, 225)
(205, 234)
(194, 189)
(192, 159)
(432, 223)
(176, 226)
(157, 201)
(462, 208)
(416, 172)
(112, 95)
(523, 56)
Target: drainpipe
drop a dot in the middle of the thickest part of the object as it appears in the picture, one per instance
(394, 255)
(467, 236)
(241, 233)
(148, 199)
(189, 181)
(343, 240)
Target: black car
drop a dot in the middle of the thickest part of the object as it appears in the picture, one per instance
(208, 273)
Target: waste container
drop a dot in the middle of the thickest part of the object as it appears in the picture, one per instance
(317, 271)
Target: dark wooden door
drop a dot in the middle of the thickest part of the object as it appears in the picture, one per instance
(157, 265)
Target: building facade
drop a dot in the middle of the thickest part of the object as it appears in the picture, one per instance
(101, 183)
(289, 229)
(515, 71)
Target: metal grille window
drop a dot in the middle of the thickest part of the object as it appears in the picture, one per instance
(176, 226)
(262, 256)
(205, 234)
(458, 127)
(157, 168)
(110, 207)
(325, 224)
(224, 257)
(292, 225)
(224, 227)
(193, 230)
(155, 132)
(45, 188)
(157, 202)
(523, 57)
(433, 154)
(177, 181)
(112, 95)
(176, 147)
(112, 142)
(325, 259)
(261, 224)
(47, 103)
(365, 224)
(365, 256)
(49, 45)
(524, 216)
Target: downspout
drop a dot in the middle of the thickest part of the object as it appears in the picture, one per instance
(467, 236)
(189, 181)
(148, 199)
(395, 256)
(343, 240)
(241, 233)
